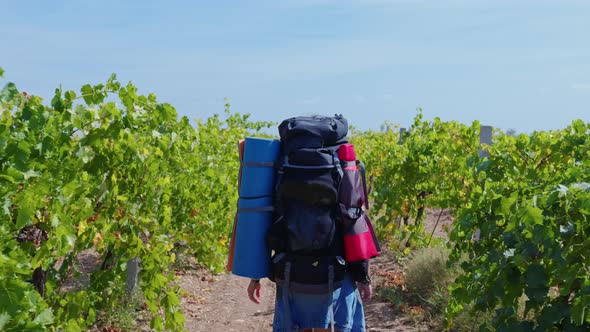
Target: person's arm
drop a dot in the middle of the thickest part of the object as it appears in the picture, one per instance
(365, 290)
(360, 273)
(254, 290)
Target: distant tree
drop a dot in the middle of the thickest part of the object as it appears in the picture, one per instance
(511, 132)
(387, 126)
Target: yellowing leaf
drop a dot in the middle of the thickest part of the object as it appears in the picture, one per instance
(82, 227)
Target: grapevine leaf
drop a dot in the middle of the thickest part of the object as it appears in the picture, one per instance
(45, 317)
(69, 98)
(57, 102)
(13, 293)
(579, 309)
(506, 204)
(24, 216)
(7, 178)
(4, 319)
(552, 315)
(8, 93)
(87, 94)
(112, 83)
(157, 323)
(534, 216)
(31, 174)
(72, 326)
(537, 280)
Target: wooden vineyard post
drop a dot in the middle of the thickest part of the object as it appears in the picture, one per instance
(485, 137)
(132, 275)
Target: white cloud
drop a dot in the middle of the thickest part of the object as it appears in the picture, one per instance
(581, 86)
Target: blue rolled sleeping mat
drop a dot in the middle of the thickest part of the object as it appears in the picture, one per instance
(258, 167)
(255, 208)
(252, 256)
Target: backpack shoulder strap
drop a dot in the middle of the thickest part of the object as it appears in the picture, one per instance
(338, 164)
(361, 167)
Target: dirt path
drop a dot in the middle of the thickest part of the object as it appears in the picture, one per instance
(220, 303)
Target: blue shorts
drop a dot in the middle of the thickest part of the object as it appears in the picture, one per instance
(312, 311)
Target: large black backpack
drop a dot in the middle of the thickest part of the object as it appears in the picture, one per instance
(305, 232)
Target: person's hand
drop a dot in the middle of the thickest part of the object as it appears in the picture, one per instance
(254, 291)
(365, 290)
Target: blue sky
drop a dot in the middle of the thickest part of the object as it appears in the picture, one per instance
(521, 64)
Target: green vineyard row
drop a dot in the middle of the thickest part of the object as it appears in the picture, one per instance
(118, 173)
(521, 215)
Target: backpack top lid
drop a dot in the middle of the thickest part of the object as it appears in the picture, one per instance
(313, 132)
